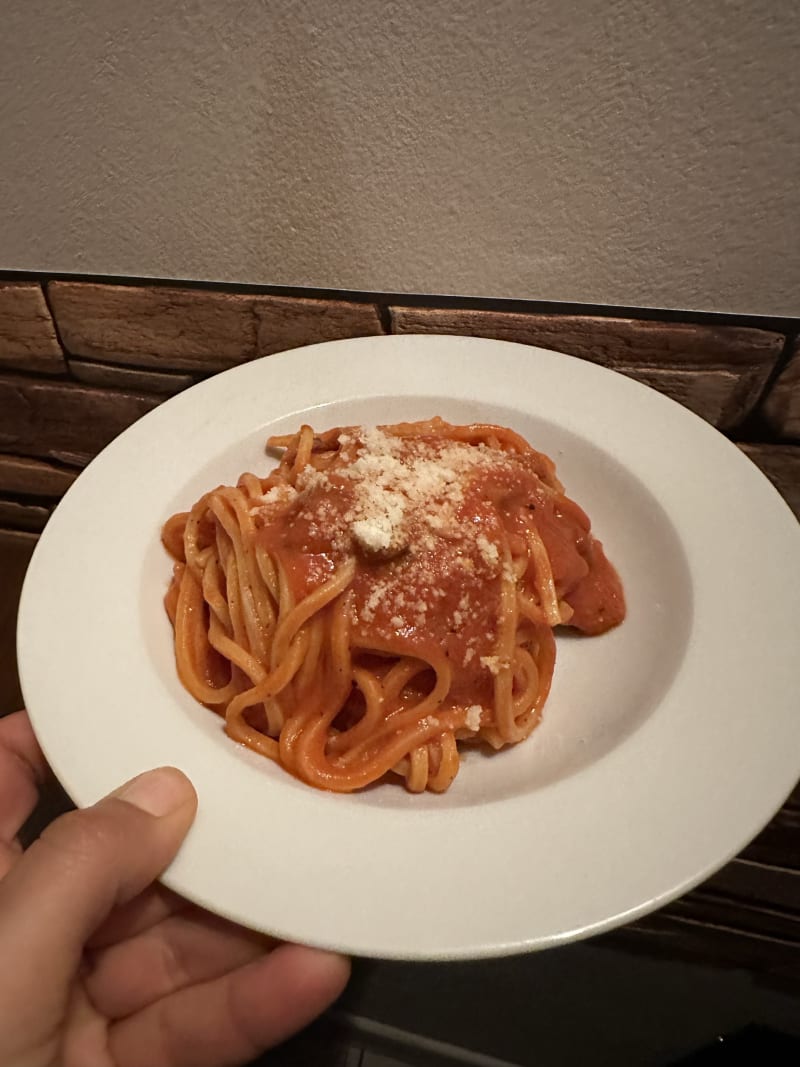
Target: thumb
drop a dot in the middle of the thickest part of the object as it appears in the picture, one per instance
(85, 864)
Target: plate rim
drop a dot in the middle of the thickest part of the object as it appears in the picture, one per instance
(366, 349)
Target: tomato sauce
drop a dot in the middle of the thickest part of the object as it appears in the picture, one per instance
(438, 589)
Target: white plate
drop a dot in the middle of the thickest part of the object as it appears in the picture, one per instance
(666, 745)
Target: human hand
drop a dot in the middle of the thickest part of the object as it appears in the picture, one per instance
(100, 967)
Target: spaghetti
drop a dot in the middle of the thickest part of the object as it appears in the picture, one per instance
(382, 597)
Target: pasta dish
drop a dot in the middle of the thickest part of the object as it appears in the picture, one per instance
(383, 597)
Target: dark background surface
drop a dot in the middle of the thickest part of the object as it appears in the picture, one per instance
(14, 556)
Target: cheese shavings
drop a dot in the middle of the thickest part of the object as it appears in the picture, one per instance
(398, 483)
(408, 508)
(473, 720)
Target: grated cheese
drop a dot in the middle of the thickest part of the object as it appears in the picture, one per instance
(397, 483)
(401, 502)
(473, 720)
(278, 494)
(487, 549)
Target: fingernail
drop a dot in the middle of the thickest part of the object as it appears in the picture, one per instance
(157, 792)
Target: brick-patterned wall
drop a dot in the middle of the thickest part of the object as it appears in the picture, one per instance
(80, 361)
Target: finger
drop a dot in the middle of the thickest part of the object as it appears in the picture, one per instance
(16, 734)
(83, 865)
(232, 1019)
(181, 951)
(148, 909)
(9, 854)
(22, 769)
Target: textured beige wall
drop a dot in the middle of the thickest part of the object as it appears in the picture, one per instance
(643, 152)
